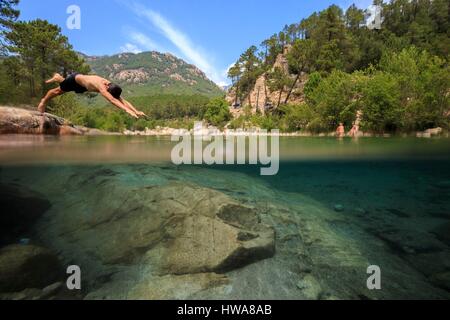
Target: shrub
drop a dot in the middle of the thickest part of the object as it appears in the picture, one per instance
(217, 112)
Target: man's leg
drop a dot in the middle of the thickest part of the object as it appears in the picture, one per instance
(50, 95)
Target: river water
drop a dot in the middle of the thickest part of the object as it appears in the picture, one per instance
(336, 206)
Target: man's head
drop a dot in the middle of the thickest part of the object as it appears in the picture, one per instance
(115, 90)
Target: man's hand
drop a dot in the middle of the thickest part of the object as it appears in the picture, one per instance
(131, 113)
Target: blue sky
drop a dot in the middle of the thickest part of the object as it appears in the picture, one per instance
(208, 33)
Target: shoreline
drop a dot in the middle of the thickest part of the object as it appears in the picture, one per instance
(14, 120)
(213, 131)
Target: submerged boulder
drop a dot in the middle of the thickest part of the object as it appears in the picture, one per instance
(21, 208)
(160, 287)
(23, 267)
(178, 228)
(443, 233)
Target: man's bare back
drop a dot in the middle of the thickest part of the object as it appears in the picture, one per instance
(92, 83)
(80, 83)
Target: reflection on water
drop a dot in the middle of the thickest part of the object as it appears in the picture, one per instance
(121, 149)
(142, 228)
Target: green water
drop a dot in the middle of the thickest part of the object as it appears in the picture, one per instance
(336, 206)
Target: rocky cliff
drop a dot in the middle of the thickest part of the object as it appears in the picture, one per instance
(260, 97)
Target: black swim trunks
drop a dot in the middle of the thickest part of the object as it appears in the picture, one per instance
(70, 85)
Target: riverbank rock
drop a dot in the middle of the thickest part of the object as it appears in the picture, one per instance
(23, 267)
(24, 121)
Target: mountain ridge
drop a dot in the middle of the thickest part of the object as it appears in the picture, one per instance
(152, 72)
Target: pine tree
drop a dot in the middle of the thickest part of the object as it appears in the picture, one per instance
(42, 50)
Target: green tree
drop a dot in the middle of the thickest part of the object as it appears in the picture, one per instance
(424, 83)
(251, 69)
(217, 112)
(334, 99)
(297, 117)
(235, 74)
(381, 104)
(313, 82)
(8, 15)
(300, 59)
(42, 50)
(278, 81)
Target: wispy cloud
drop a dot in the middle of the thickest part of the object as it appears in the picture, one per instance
(144, 41)
(129, 47)
(138, 42)
(194, 54)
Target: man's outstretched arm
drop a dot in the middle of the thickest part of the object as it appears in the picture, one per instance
(129, 105)
(119, 104)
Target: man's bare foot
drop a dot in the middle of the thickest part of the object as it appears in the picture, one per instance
(41, 108)
(56, 78)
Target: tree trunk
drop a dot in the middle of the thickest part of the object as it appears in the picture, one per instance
(32, 84)
(43, 73)
(279, 98)
(292, 88)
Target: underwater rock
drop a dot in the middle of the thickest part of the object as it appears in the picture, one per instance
(52, 290)
(183, 228)
(27, 294)
(443, 233)
(56, 291)
(338, 208)
(20, 209)
(430, 263)
(442, 280)
(29, 266)
(185, 285)
(310, 287)
(160, 288)
(203, 244)
(406, 241)
(442, 184)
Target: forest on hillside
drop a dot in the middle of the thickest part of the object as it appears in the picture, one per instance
(396, 74)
